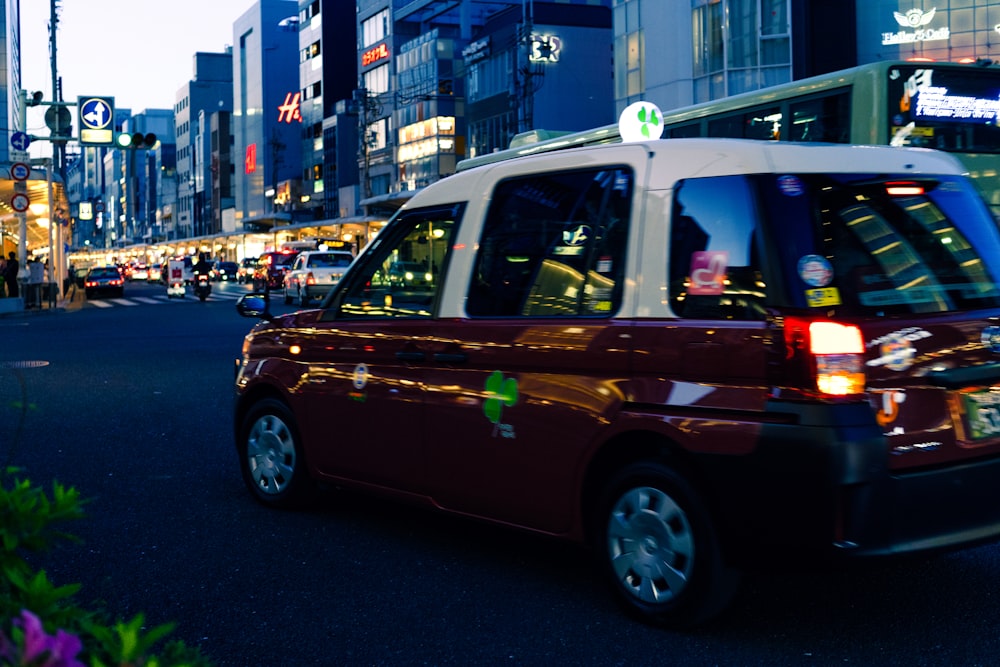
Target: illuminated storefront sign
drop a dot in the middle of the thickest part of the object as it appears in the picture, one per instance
(545, 48)
(290, 111)
(428, 137)
(476, 51)
(916, 19)
(250, 159)
(375, 54)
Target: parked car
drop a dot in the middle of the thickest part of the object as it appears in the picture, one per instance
(225, 271)
(104, 280)
(696, 355)
(314, 273)
(269, 271)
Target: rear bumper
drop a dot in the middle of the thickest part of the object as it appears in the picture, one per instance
(819, 485)
(317, 291)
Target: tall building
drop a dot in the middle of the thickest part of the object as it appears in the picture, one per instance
(415, 68)
(540, 69)
(267, 120)
(327, 75)
(136, 179)
(720, 48)
(10, 76)
(209, 92)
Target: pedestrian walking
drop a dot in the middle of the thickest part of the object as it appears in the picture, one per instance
(10, 274)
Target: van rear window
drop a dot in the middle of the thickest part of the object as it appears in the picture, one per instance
(866, 244)
(882, 244)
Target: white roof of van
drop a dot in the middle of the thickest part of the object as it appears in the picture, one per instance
(676, 159)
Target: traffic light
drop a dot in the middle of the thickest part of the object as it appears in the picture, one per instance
(136, 141)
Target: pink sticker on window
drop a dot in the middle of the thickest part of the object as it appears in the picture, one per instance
(708, 271)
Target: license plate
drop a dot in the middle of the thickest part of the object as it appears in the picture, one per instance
(982, 414)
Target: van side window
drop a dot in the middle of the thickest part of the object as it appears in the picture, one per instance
(714, 259)
(553, 245)
(401, 276)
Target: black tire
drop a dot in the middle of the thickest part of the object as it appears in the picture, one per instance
(272, 461)
(658, 549)
(288, 297)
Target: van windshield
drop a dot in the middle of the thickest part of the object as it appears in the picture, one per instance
(883, 245)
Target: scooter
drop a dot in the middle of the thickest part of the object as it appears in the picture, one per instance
(202, 287)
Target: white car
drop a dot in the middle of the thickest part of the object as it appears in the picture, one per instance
(314, 274)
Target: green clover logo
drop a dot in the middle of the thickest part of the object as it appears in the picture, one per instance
(500, 392)
(647, 116)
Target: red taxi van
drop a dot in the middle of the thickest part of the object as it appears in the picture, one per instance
(691, 355)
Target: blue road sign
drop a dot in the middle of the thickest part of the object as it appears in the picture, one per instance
(96, 116)
(20, 141)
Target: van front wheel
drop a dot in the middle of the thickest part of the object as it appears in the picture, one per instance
(658, 548)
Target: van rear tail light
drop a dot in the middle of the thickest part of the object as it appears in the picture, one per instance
(904, 189)
(833, 353)
(310, 279)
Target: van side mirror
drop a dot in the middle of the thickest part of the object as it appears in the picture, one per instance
(254, 305)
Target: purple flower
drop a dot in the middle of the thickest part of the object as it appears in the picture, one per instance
(44, 650)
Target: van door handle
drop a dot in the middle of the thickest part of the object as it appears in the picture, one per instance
(411, 355)
(451, 357)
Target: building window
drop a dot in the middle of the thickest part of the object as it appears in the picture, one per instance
(377, 80)
(375, 28)
(739, 46)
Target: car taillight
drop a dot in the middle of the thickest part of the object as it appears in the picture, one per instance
(310, 279)
(833, 353)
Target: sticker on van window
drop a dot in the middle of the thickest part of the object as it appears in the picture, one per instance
(815, 270)
(895, 353)
(823, 296)
(708, 272)
(791, 186)
(574, 241)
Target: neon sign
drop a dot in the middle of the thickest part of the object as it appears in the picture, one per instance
(290, 111)
(250, 159)
(545, 48)
(917, 19)
(374, 54)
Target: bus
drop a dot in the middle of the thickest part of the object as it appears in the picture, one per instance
(948, 106)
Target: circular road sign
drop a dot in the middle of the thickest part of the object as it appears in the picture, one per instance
(19, 171)
(20, 141)
(19, 202)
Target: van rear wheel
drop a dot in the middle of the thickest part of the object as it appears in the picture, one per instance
(658, 549)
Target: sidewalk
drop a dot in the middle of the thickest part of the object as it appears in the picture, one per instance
(28, 303)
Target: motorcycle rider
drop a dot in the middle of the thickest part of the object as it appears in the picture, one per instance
(202, 267)
(202, 288)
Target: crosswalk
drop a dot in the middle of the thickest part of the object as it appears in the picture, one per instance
(156, 300)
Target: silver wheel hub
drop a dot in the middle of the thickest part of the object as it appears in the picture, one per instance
(650, 545)
(270, 454)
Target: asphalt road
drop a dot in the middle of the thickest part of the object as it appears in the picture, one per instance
(131, 405)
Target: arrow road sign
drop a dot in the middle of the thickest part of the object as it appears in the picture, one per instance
(20, 141)
(96, 116)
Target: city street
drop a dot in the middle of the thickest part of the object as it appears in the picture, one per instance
(130, 402)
